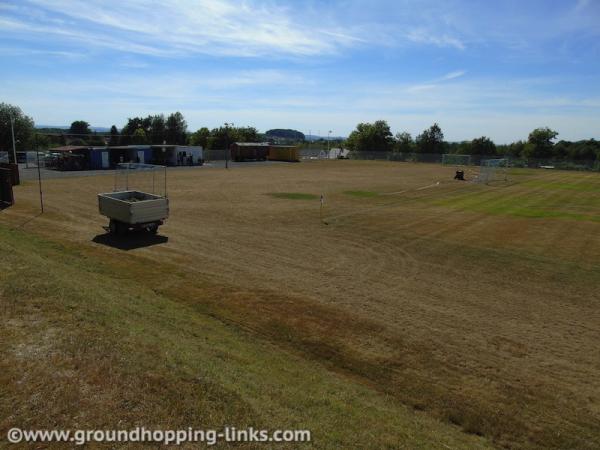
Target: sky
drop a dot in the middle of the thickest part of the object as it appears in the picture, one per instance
(477, 68)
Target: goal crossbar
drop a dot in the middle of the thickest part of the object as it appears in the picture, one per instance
(452, 159)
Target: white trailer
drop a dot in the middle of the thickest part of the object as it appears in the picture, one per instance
(139, 199)
(133, 210)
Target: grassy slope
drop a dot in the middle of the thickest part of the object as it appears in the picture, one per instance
(477, 316)
(87, 343)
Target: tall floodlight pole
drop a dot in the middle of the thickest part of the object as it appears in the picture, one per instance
(328, 142)
(40, 180)
(12, 132)
(226, 145)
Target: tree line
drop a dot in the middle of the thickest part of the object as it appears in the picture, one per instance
(153, 129)
(367, 137)
(540, 144)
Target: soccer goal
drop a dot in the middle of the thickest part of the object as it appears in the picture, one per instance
(493, 170)
(450, 159)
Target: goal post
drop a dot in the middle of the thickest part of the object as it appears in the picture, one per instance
(451, 159)
(493, 170)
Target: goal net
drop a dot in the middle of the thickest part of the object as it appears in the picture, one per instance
(493, 170)
(450, 159)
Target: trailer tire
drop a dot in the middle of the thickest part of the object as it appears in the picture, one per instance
(152, 229)
(113, 227)
(117, 228)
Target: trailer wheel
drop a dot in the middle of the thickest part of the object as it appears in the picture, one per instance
(117, 228)
(113, 227)
(152, 229)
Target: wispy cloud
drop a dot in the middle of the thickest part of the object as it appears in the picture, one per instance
(428, 86)
(428, 36)
(24, 51)
(175, 27)
(453, 75)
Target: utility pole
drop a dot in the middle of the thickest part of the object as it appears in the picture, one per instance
(328, 142)
(40, 180)
(12, 131)
(227, 145)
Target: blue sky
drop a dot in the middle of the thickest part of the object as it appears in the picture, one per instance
(477, 68)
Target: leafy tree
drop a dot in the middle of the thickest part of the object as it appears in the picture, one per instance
(139, 137)
(23, 128)
(41, 141)
(540, 143)
(176, 129)
(132, 125)
(371, 137)
(516, 149)
(404, 143)
(95, 139)
(431, 140)
(158, 129)
(224, 136)
(586, 150)
(221, 138)
(482, 146)
(114, 136)
(200, 137)
(245, 134)
(460, 148)
(80, 127)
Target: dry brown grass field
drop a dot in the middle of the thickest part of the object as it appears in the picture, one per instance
(450, 314)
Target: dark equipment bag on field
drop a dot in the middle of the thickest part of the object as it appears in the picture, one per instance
(6, 191)
(460, 175)
(14, 172)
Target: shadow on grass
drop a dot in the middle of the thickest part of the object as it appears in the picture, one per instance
(294, 195)
(31, 219)
(130, 241)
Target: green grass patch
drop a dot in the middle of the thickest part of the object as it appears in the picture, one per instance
(580, 186)
(577, 205)
(294, 195)
(521, 172)
(361, 194)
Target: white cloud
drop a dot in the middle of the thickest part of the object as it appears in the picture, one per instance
(434, 84)
(428, 36)
(179, 27)
(453, 75)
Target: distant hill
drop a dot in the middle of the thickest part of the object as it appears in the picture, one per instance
(287, 134)
(66, 127)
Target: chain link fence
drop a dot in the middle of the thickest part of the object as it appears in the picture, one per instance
(216, 155)
(317, 153)
(475, 160)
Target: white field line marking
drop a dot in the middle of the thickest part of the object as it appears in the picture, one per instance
(383, 206)
(408, 190)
